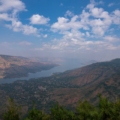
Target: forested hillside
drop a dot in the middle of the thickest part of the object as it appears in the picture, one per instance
(66, 88)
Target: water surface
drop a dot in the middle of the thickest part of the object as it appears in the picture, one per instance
(63, 67)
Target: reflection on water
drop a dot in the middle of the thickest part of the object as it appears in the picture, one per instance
(65, 66)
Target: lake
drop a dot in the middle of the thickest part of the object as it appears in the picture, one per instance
(63, 67)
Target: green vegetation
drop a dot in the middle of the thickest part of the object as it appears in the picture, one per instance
(13, 111)
(105, 110)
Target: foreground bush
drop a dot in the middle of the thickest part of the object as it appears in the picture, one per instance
(105, 110)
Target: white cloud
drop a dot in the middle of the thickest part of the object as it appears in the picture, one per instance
(16, 5)
(61, 4)
(45, 36)
(69, 14)
(111, 38)
(64, 24)
(17, 26)
(5, 44)
(110, 5)
(99, 27)
(96, 12)
(117, 13)
(101, 20)
(101, 2)
(74, 41)
(39, 19)
(79, 30)
(88, 34)
(25, 43)
(29, 30)
(8, 12)
(71, 44)
(5, 16)
(92, 18)
(61, 24)
(10, 8)
(116, 17)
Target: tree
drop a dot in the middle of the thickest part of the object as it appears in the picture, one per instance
(13, 111)
(35, 114)
(106, 109)
(86, 111)
(116, 110)
(60, 113)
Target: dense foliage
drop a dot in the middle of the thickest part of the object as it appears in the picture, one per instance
(105, 110)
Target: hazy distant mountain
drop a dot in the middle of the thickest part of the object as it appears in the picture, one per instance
(68, 87)
(15, 66)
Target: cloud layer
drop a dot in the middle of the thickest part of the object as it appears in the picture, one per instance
(91, 30)
(93, 20)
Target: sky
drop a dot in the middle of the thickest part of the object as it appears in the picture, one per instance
(88, 29)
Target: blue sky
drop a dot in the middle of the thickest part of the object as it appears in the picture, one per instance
(87, 29)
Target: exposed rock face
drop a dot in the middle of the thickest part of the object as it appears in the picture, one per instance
(13, 66)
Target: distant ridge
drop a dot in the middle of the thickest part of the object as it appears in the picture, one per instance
(9, 56)
(17, 66)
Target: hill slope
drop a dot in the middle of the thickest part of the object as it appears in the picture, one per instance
(87, 82)
(14, 66)
(68, 87)
(95, 72)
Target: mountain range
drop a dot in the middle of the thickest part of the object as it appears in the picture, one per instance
(67, 88)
